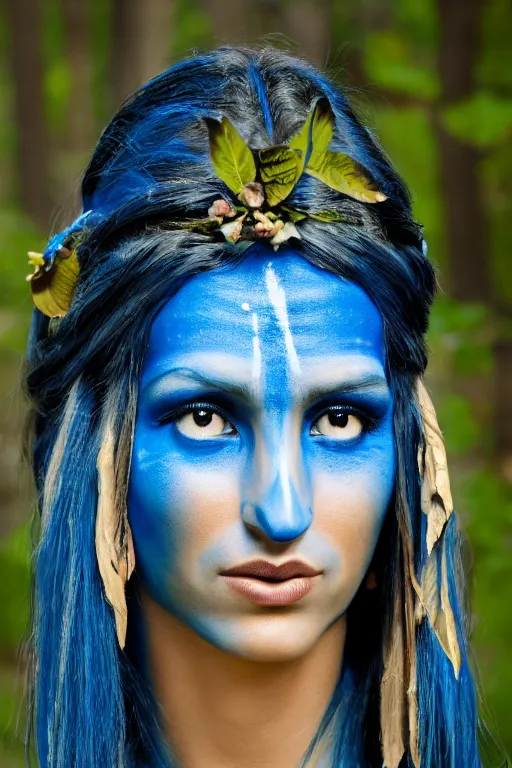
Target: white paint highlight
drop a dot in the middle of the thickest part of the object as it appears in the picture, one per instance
(278, 300)
(256, 355)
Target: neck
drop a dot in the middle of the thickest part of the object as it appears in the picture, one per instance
(221, 711)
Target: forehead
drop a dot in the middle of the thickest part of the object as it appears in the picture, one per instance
(280, 299)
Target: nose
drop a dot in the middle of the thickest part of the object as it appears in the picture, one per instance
(279, 503)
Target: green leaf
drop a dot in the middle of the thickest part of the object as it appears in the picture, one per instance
(322, 130)
(279, 171)
(484, 120)
(200, 226)
(232, 159)
(293, 214)
(302, 140)
(342, 173)
(334, 216)
(53, 291)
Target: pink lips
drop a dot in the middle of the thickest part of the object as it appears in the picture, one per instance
(267, 584)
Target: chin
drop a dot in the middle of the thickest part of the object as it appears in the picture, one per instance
(269, 636)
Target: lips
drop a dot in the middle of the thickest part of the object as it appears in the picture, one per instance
(267, 584)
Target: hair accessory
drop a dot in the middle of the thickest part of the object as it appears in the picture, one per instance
(55, 274)
(114, 543)
(263, 179)
(437, 505)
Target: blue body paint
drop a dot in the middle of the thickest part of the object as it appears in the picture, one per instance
(268, 350)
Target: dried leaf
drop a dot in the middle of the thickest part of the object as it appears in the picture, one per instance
(342, 173)
(448, 632)
(435, 600)
(279, 171)
(436, 497)
(53, 291)
(114, 544)
(392, 690)
(232, 159)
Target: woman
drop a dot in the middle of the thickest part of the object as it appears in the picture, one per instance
(248, 554)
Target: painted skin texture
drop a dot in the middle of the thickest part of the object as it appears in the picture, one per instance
(263, 352)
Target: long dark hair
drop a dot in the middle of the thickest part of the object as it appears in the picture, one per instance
(151, 167)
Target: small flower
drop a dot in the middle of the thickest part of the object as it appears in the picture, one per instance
(35, 260)
(221, 208)
(233, 230)
(265, 226)
(288, 230)
(252, 195)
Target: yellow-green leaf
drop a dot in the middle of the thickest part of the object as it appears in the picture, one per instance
(293, 214)
(334, 216)
(302, 140)
(346, 175)
(322, 130)
(232, 159)
(53, 291)
(280, 169)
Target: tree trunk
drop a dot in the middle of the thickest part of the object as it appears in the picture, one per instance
(231, 20)
(465, 221)
(470, 276)
(141, 44)
(80, 119)
(307, 23)
(32, 141)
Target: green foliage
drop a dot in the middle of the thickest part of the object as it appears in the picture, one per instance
(483, 120)
(460, 336)
(390, 65)
(193, 28)
(233, 161)
(14, 589)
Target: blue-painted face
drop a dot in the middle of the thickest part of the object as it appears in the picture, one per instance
(263, 461)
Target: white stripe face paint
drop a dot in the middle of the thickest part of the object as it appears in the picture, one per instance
(278, 300)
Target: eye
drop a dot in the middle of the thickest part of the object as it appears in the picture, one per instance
(338, 424)
(201, 422)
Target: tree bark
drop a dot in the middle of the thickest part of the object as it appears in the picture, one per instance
(231, 20)
(470, 274)
(141, 44)
(308, 25)
(32, 138)
(80, 117)
(465, 221)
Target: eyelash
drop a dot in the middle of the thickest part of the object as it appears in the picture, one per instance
(370, 422)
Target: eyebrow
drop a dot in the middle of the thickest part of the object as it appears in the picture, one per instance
(240, 389)
(370, 382)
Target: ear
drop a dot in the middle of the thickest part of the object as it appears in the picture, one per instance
(114, 543)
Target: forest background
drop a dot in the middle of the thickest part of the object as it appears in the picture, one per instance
(434, 79)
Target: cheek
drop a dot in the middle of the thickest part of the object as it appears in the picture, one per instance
(175, 510)
(349, 507)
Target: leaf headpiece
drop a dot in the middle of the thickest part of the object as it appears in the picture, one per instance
(260, 184)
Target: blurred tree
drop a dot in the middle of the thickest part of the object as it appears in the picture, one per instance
(230, 20)
(309, 26)
(31, 148)
(465, 224)
(78, 136)
(141, 43)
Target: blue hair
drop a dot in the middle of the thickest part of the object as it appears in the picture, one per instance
(151, 167)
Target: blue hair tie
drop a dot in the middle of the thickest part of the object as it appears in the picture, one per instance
(68, 237)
